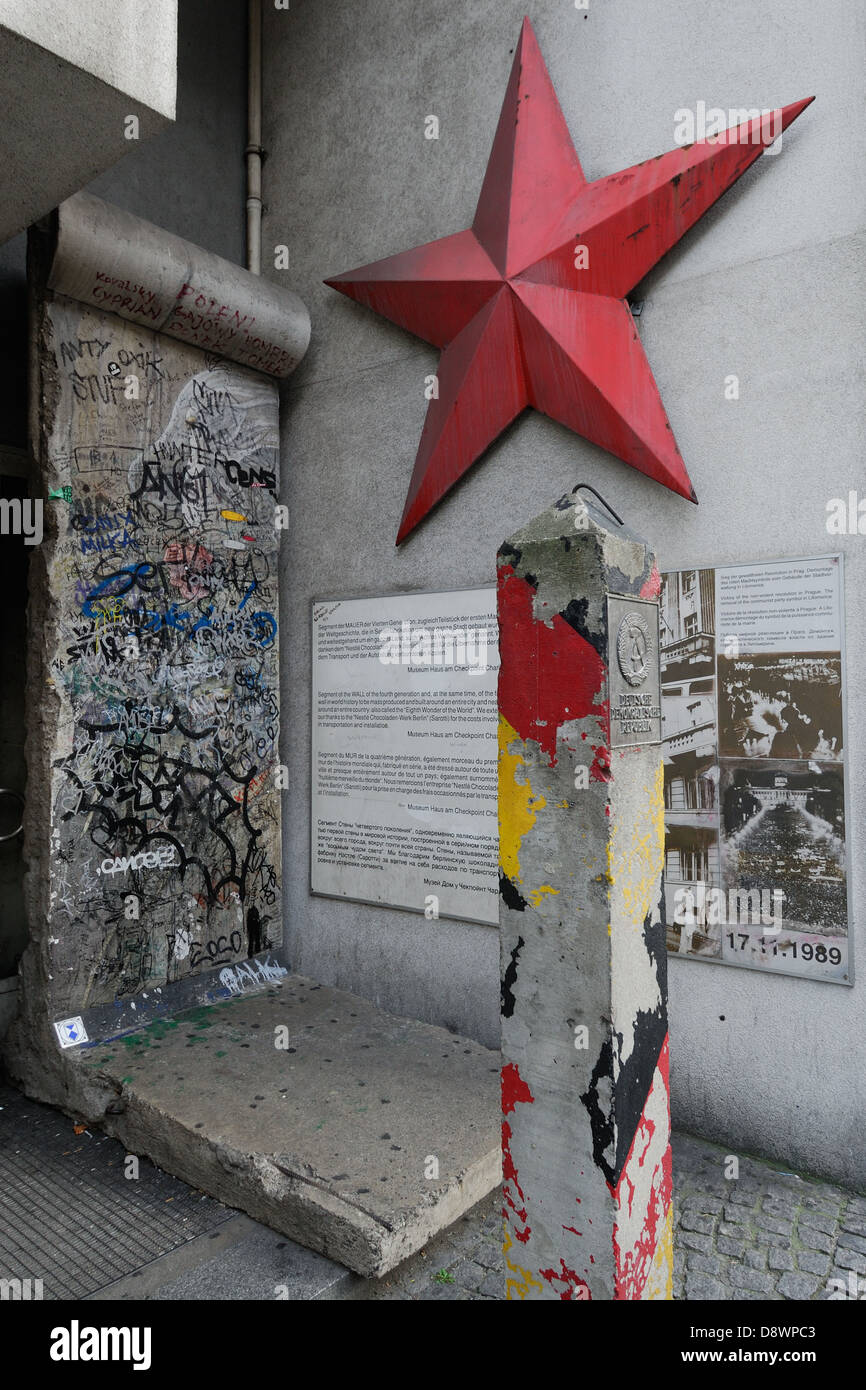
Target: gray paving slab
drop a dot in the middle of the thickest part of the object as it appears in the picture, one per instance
(261, 1265)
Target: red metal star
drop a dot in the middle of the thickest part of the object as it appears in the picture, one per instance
(524, 317)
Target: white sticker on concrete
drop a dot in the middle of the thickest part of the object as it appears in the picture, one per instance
(71, 1032)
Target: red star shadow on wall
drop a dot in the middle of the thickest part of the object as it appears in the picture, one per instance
(529, 305)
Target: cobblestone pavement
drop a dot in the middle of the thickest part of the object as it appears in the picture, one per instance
(765, 1235)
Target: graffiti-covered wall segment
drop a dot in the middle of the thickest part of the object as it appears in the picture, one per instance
(160, 594)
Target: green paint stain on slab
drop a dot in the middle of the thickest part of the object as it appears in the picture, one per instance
(200, 1016)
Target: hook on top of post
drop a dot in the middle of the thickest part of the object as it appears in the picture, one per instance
(606, 505)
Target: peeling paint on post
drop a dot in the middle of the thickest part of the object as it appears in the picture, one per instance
(585, 1104)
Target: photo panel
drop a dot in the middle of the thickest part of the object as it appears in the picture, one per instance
(690, 753)
(753, 724)
(783, 867)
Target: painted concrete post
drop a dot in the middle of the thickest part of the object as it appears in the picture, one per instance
(585, 1106)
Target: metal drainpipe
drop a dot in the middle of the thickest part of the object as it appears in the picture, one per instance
(254, 138)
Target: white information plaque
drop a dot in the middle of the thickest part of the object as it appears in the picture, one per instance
(404, 809)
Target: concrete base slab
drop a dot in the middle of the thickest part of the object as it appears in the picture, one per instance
(356, 1133)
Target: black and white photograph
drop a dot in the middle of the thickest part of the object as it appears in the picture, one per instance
(687, 628)
(781, 706)
(687, 648)
(783, 835)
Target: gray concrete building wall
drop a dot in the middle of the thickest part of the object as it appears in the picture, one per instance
(191, 179)
(79, 85)
(769, 286)
(123, 43)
